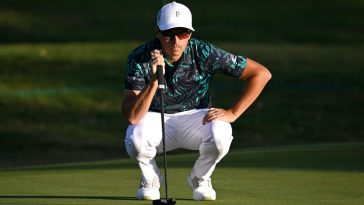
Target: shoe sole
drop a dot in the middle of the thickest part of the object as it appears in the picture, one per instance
(204, 198)
(208, 199)
(148, 198)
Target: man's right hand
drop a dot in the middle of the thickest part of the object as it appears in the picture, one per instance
(156, 58)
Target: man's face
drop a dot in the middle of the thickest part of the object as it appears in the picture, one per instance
(174, 42)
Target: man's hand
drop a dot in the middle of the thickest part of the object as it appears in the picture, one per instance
(156, 58)
(219, 114)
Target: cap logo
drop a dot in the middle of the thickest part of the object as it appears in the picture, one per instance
(177, 13)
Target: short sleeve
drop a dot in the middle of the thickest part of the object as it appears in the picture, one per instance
(228, 63)
(134, 78)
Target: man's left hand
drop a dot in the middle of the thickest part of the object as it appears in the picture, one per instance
(219, 114)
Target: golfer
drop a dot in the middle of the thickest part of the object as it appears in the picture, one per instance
(191, 121)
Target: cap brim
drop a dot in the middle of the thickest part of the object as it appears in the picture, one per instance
(170, 26)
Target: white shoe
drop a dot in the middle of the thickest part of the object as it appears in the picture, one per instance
(201, 189)
(149, 190)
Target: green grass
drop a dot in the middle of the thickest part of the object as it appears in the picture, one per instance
(61, 78)
(62, 66)
(61, 102)
(314, 175)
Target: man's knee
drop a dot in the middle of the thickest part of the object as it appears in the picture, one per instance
(222, 136)
(137, 145)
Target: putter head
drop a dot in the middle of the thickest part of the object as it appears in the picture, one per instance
(170, 201)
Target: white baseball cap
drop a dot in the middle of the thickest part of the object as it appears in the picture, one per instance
(174, 15)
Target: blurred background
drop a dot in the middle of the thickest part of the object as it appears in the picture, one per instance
(62, 72)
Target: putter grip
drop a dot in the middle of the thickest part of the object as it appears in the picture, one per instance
(160, 77)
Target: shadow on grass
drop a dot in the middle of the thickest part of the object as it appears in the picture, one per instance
(116, 198)
(127, 198)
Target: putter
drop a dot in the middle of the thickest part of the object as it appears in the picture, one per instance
(161, 87)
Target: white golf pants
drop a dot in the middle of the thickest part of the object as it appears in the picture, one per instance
(182, 130)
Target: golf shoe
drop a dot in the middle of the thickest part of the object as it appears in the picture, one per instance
(201, 189)
(149, 190)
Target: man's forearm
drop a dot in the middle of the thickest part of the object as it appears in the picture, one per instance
(252, 90)
(135, 108)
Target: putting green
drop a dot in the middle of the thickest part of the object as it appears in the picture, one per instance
(311, 174)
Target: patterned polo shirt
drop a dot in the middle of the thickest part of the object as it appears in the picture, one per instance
(187, 84)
